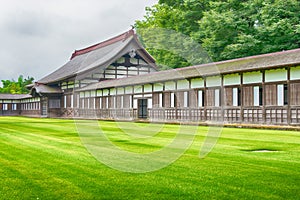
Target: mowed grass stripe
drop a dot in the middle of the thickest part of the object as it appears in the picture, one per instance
(46, 160)
(28, 160)
(31, 166)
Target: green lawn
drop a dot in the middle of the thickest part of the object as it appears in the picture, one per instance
(45, 159)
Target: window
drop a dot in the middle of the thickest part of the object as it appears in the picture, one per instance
(285, 94)
(172, 100)
(149, 103)
(217, 97)
(130, 101)
(236, 97)
(160, 100)
(5, 106)
(82, 103)
(200, 98)
(135, 103)
(14, 106)
(107, 102)
(100, 102)
(122, 102)
(185, 99)
(114, 102)
(65, 101)
(54, 103)
(257, 96)
(72, 101)
(282, 95)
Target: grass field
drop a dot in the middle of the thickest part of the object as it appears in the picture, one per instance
(45, 159)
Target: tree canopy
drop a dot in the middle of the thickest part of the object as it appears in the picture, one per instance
(226, 29)
(16, 87)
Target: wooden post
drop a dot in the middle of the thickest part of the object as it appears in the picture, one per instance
(241, 99)
(222, 101)
(289, 96)
(264, 97)
(205, 102)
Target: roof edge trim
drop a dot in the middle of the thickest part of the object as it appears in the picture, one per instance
(123, 36)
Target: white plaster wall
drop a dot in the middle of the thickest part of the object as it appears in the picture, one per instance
(295, 73)
(213, 81)
(158, 87)
(183, 85)
(276, 75)
(232, 79)
(252, 77)
(197, 83)
(170, 85)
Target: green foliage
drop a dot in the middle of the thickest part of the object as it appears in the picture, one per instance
(227, 29)
(16, 87)
(45, 159)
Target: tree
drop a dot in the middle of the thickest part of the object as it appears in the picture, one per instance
(227, 29)
(177, 15)
(16, 87)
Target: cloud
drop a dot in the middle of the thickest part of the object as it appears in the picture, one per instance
(38, 37)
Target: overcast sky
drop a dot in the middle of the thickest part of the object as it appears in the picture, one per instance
(39, 36)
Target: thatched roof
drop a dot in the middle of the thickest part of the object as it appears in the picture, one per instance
(252, 63)
(98, 56)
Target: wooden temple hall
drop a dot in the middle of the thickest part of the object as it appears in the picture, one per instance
(118, 79)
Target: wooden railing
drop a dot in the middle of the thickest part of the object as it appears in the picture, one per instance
(252, 115)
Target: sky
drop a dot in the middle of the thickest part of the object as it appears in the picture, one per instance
(39, 36)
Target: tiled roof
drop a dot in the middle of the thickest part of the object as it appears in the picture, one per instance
(14, 96)
(97, 56)
(45, 89)
(113, 40)
(252, 63)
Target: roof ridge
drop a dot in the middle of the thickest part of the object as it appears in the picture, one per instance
(110, 41)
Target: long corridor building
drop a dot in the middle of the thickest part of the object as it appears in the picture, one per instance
(118, 79)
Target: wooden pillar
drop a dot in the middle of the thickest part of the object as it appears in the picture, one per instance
(205, 102)
(189, 101)
(264, 97)
(175, 99)
(241, 98)
(289, 96)
(222, 96)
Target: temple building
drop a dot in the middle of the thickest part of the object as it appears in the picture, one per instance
(118, 79)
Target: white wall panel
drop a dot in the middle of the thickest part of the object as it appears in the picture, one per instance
(120, 91)
(147, 88)
(128, 90)
(295, 73)
(105, 92)
(252, 77)
(113, 91)
(183, 85)
(213, 81)
(99, 93)
(138, 89)
(170, 85)
(276, 75)
(232, 79)
(197, 83)
(158, 87)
